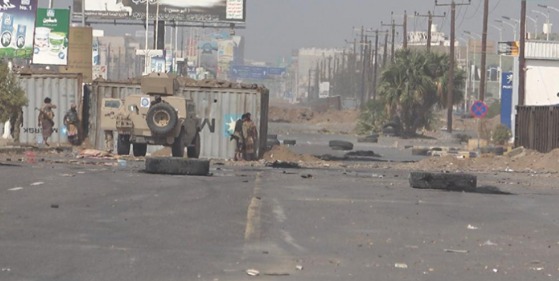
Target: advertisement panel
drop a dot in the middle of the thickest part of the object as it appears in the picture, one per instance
(506, 98)
(80, 54)
(180, 10)
(51, 37)
(509, 48)
(17, 21)
(256, 72)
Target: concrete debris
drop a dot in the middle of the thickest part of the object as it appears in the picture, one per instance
(253, 272)
(401, 265)
(456, 251)
(472, 227)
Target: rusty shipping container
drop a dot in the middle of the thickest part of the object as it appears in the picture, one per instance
(63, 89)
(218, 107)
(537, 128)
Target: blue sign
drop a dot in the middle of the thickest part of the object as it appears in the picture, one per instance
(255, 72)
(506, 99)
(479, 109)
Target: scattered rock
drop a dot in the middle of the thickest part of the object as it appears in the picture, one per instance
(444, 181)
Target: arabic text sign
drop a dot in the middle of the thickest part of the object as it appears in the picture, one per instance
(180, 10)
(51, 37)
(17, 22)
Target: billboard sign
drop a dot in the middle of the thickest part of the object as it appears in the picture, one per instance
(180, 10)
(509, 48)
(51, 37)
(255, 72)
(17, 22)
(506, 98)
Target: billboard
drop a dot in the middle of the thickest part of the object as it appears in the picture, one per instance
(51, 37)
(507, 79)
(17, 22)
(509, 48)
(80, 53)
(180, 10)
(256, 72)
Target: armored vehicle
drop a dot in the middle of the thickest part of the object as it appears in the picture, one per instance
(156, 117)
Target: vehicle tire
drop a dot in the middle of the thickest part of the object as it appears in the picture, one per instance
(177, 166)
(450, 182)
(123, 145)
(161, 118)
(340, 145)
(289, 142)
(139, 149)
(177, 149)
(420, 151)
(193, 150)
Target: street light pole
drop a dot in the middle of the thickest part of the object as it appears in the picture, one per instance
(535, 21)
(515, 26)
(509, 24)
(500, 59)
(547, 20)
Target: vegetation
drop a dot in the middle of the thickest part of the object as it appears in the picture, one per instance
(372, 118)
(494, 109)
(412, 88)
(501, 134)
(12, 98)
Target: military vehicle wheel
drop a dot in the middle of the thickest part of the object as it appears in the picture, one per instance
(123, 145)
(139, 149)
(161, 118)
(177, 150)
(193, 150)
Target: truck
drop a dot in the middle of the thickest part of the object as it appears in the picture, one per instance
(157, 116)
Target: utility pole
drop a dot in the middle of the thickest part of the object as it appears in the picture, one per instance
(484, 51)
(385, 54)
(521, 56)
(376, 61)
(393, 28)
(430, 17)
(450, 90)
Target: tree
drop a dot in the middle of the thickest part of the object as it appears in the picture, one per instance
(12, 99)
(413, 86)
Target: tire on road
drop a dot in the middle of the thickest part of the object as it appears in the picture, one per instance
(420, 151)
(139, 149)
(123, 145)
(289, 142)
(340, 145)
(177, 166)
(443, 181)
(161, 118)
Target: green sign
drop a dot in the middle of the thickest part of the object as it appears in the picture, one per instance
(17, 18)
(51, 37)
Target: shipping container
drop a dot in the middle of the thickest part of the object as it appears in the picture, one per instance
(218, 108)
(62, 89)
(542, 50)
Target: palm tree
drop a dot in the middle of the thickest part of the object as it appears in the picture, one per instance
(412, 86)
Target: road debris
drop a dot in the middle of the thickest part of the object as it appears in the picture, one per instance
(253, 272)
(401, 265)
(283, 165)
(299, 267)
(488, 243)
(15, 189)
(54, 206)
(37, 183)
(472, 227)
(6, 269)
(456, 251)
(306, 176)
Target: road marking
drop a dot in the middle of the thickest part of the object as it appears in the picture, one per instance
(252, 230)
(15, 189)
(349, 200)
(37, 183)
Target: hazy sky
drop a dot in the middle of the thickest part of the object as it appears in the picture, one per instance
(275, 27)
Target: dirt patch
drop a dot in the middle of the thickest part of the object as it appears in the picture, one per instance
(529, 161)
(282, 153)
(166, 151)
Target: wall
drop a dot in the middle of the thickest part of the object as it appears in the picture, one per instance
(542, 84)
(63, 89)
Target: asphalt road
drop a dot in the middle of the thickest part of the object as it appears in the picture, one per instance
(96, 222)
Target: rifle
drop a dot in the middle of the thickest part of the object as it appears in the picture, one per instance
(46, 116)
